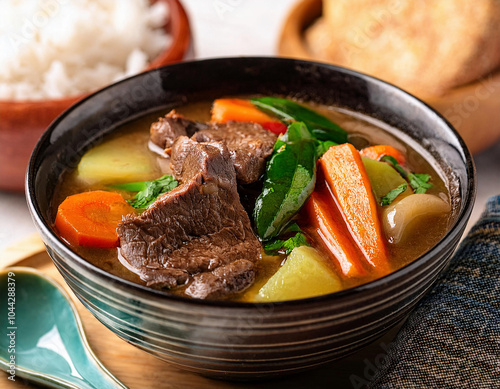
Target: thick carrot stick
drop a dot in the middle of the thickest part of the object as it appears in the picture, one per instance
(224, 110)
(90, 218)
(329, 226)
(349, 184)
(377, 151)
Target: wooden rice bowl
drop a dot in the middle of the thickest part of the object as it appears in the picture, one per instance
(22, 122)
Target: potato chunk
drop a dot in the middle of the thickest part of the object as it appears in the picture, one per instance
(115, 161)
(303, 275)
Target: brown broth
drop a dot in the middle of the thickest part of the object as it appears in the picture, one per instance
(362, 131)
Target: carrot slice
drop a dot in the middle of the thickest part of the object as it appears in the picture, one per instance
(224, 110)
(331, 230)
(349, 184)
(377, 151)
(90, 218)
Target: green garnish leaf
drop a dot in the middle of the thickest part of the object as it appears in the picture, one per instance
(391, 196)
(289, 180)
(295, 241)
(323, 146)
(395, 164)
(148, 191)
(286, 246)
(273, 247)
(289, 111)
(418, 182)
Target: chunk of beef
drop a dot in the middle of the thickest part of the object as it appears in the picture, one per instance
(167, 129)
(223, 281)
(178, 154)
(198, 227)
(249, 145)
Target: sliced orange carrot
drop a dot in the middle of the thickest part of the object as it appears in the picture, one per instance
(377, 151)
(90, 218)
(224, 110)
(349, 184)
(331, 230)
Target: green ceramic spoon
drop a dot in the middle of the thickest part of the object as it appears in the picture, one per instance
(44, 329)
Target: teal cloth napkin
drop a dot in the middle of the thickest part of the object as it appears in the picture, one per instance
(452, 338)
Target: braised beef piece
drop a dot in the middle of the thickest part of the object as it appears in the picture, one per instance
(249, 145)
(199, 230)
(167, 129)
(178, 153)
(223, 281)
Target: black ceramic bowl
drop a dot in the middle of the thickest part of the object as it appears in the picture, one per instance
(239, 340)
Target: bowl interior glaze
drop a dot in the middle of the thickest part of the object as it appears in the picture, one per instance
(237, 340)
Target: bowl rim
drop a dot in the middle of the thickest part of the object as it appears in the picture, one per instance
(457, 226)
(180, 32)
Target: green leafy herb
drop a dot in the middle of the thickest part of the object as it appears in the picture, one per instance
(273, 247)
(323, 146)
(148, 191)
(419, 182)
(289, 180)
(391, 196)
(289, 111)
(286, 246)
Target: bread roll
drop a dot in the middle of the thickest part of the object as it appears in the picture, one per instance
(424, 46)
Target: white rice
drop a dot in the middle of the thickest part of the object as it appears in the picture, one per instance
(59, 48)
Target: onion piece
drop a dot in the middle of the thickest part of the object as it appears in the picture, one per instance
(401, 217)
